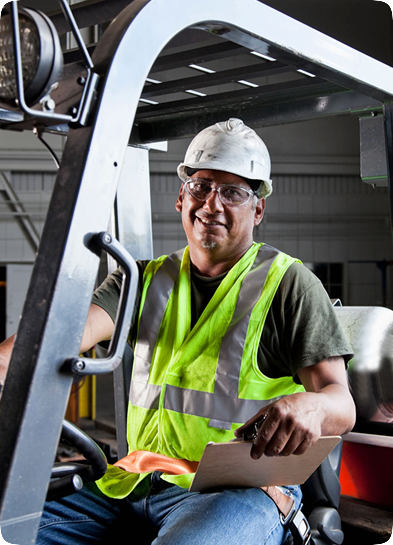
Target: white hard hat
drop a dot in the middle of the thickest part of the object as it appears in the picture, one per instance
(232, 147)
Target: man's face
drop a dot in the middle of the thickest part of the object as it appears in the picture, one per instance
(224, 231)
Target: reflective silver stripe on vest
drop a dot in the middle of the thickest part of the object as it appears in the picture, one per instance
(231, 352)
(153, 311)
(208, 405)
(223, 407)
(145, 395)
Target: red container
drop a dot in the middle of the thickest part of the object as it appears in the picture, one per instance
(367, 473)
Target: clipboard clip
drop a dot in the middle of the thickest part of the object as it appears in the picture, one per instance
(252, 435)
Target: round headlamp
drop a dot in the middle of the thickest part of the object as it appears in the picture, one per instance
(42, 58)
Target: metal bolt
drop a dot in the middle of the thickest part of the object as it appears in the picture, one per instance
(49, 105)
(107, 238)
(81, 80)
(80, 365)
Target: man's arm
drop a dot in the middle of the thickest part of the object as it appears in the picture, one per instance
(295, 422)
(5, 356)
(99, 327)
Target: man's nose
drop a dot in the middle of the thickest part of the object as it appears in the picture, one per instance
(213, 203)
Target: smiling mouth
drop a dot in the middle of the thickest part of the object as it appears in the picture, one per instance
(210, 222)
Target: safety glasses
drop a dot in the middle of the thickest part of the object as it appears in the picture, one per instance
(229, 195)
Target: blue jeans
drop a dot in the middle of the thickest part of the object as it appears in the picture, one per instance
(164, 514)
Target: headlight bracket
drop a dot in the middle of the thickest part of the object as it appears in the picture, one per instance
(44, 80)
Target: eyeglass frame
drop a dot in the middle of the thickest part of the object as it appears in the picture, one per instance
(250, 192)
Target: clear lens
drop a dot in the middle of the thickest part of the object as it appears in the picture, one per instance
(233, 195)
(199, 189)
(30, 48)
(230, 195)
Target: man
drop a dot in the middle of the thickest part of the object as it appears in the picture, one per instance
(229, 335)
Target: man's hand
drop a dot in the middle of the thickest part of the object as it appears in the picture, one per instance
(294, 423)
(291, 426)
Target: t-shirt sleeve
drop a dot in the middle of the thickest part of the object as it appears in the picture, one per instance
(107, 294)
(301, 327)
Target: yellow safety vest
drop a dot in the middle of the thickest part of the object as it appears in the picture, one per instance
(195, 385)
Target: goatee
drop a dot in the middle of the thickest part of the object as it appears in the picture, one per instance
(209, 245)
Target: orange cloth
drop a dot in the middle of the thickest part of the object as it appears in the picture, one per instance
(142, 461)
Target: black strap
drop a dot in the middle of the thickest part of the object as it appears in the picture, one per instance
(300, 528)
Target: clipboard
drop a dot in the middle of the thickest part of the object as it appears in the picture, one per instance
(229, 465)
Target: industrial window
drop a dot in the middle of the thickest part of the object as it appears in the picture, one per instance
(332, 277)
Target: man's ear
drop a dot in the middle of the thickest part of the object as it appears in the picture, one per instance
(179, 202)
(259, 211)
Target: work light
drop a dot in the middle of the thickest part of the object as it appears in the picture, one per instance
(40, 52)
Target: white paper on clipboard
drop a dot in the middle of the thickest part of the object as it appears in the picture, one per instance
(229, 465)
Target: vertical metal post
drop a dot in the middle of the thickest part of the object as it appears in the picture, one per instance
(134, 231)
(36, 392)
(388, 124)
(133, 204)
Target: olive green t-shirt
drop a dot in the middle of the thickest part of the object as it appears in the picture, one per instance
(301, 327)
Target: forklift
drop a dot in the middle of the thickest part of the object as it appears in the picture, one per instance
(79, 94)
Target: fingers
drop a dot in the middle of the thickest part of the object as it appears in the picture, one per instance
(281, 439)
(273, 436)
(251, 427)
(280, 430)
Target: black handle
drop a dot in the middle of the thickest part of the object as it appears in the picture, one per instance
(64, 487)
(68, 477)
(90, 450)
(96, 366)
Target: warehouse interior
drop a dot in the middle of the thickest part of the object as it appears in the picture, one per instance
(323, 209)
